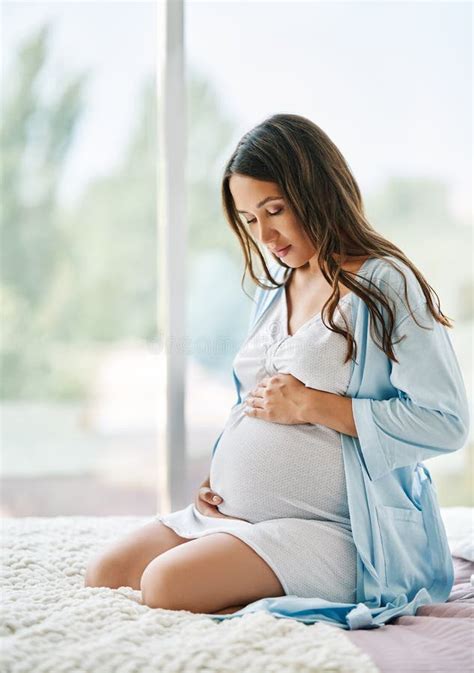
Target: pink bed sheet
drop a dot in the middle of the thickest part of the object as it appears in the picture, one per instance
(438, 639)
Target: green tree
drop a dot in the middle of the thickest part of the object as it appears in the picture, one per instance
(35, 138)
(88, 274)
(112, 232)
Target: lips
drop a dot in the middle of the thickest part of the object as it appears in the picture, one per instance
(281, 249)
(282, 252)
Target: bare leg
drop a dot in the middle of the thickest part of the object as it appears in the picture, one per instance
(122, 563)
(228, 611)
(211, 573)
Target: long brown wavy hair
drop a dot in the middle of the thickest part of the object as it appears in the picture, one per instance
(317, 183)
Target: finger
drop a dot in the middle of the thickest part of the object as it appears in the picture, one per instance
(206, 509)
(253, 411)
(255, 403)
(206, 505)
(209, 496)
(259, 387)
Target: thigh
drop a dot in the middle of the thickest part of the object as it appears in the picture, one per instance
(209, 574)
(123, 562)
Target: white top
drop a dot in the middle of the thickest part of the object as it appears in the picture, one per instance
(265, 470)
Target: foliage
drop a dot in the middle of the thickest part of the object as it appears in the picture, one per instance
(74, 277)
(89, 273)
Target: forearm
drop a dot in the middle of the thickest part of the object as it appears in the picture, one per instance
(334, 411)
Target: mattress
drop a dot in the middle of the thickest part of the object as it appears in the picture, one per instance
(440, 637)
(51, 623)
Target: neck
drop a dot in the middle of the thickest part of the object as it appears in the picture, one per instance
(311, 271)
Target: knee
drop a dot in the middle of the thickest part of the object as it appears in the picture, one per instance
(103, 571)
(157, 586)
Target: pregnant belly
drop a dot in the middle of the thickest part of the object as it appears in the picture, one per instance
(265, 470)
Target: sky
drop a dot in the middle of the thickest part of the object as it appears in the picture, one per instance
(389, 82)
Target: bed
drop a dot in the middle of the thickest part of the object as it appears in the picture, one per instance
(440, 637)
(51, 623)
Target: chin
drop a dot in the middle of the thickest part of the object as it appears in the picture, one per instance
(291, 260)
(293, 263)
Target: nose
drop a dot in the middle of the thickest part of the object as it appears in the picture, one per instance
(265, 233)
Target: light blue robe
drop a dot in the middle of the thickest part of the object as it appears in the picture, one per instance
(404, 413)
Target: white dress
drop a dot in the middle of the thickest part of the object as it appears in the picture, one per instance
(286, 482)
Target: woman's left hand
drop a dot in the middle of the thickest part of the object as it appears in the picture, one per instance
(277, 399)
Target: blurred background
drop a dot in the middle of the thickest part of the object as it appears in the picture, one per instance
(390, 83)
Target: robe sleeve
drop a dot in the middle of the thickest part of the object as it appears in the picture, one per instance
(430, 415)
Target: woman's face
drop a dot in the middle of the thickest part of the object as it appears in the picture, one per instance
(269, 219)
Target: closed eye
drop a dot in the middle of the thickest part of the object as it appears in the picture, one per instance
(271, 215)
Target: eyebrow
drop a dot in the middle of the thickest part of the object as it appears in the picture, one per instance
(262, 203)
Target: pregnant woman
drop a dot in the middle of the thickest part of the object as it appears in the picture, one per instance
(316, 505)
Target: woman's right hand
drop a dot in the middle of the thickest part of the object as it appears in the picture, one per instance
(205, 502)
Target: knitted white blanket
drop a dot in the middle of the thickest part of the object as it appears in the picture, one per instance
(51, 623)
